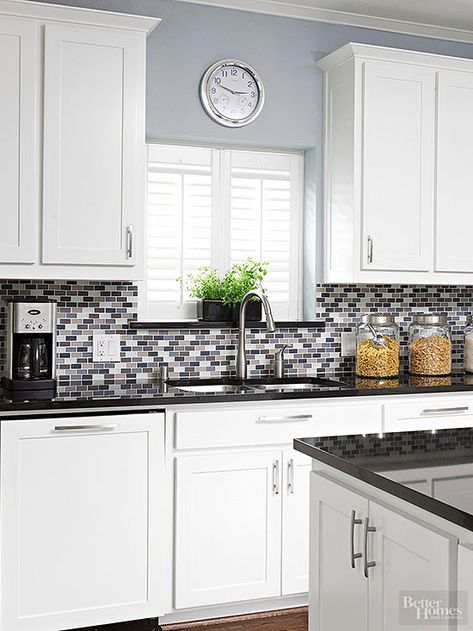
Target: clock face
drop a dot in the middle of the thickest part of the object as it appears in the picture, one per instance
(232, 93)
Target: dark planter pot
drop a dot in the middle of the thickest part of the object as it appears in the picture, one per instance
(213, 311)
(253, 312)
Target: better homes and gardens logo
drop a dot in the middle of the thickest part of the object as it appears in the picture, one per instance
(431, 608)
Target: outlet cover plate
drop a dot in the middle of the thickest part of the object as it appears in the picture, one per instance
(348, 345)
(106, 348)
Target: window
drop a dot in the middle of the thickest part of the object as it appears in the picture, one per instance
(217, 207)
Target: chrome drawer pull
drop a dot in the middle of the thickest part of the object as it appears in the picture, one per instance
(280, 419)
(290, 476)
(276, 477)
(129, 242)
(370, 249)
(368, 564)
(354, 555)
(445, 410)
(85, 428)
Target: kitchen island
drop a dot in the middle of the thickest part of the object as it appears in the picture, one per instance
(391, 530)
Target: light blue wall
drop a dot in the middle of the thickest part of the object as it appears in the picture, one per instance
(192, 36)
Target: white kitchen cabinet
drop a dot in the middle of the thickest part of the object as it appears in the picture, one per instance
(80, 535)
(393, 211)
(295, 522)
(72, 150)
(454, 219)
(338, 596)
(410, 559)
(93, 144)
(398, 555)
(228, 527)
(396, 166)
(19, 42)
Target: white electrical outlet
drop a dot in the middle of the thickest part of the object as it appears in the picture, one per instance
(106, 348)
(348, 345)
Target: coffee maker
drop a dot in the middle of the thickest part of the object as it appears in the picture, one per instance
(31, 349)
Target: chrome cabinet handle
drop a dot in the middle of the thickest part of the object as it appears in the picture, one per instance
(290, 476)
(276, 477)
(279, 419)
(354, 555)
(367, 564)
(463, 408)
(85, 428)
(370, 249)
(129, 242)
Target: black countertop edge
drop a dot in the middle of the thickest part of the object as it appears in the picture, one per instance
(162, 399)
(198, 324)
(429, 504)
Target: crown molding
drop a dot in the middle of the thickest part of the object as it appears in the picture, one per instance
(91, 17)
(304, 12)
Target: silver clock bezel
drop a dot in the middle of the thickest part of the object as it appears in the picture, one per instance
(207, 103)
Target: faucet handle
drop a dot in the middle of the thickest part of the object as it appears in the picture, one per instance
(278, 362)
(279, 354)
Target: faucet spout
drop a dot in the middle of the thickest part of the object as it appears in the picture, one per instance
(270, 326)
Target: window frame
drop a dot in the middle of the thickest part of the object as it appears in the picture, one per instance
(221, 234)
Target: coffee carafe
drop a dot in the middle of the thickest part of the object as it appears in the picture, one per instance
(31, 348)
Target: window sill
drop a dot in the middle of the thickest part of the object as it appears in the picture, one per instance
(198, 324)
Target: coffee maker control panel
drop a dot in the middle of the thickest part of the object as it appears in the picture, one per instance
(34, 317)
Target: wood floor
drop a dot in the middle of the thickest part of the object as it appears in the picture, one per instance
(282, 620)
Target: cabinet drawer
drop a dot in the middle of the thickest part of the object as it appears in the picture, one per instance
(435, 413)
(272, 425)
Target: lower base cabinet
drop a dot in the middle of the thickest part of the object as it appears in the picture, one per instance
(365, 558)
(241, 526)
(80, 500)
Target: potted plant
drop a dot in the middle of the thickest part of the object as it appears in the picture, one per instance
(207, 286)
(241, 279)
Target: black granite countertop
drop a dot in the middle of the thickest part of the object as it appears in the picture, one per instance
(378, 459)
(89, 393)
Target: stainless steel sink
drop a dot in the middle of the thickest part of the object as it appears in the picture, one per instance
(281, 387)
(236, 386)
(215, 388)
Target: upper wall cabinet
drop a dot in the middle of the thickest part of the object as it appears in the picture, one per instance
(18, 140)
(72, 154)
(92, 153)
(398, 151)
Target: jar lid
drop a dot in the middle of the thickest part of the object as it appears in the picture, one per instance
(430, 318)
(378, 318)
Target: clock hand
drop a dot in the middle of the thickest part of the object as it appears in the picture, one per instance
(230, 90)
(225, 88)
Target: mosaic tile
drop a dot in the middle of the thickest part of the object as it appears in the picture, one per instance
(110, 306)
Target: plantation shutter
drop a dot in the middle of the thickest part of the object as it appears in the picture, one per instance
(265, 220)
(179, 223)
(217, 207)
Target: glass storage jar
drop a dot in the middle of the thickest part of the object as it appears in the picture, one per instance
(430, 345)
(468, 349)
(377, 346)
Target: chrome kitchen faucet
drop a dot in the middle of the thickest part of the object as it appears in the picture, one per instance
(271, 327)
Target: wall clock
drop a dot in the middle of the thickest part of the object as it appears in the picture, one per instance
(232, 93)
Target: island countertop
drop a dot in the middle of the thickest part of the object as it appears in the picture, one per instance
(378, 460)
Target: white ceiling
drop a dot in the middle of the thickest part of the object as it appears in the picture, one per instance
(446, 19)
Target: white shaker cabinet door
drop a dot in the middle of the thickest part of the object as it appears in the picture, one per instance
(338, 595)
(410, 559)
(19, 208)
(80, 517)
(228, 528)
(93, 144)
(295, 523)
(454, 200)
(397, 175)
